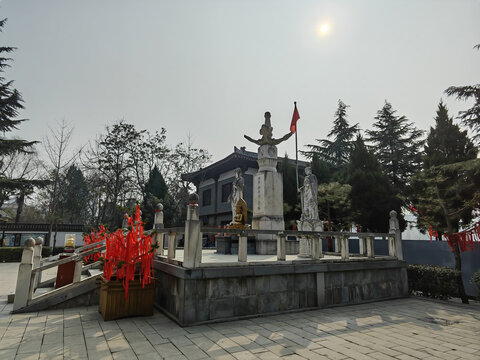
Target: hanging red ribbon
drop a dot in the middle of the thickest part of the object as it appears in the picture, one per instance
(126, 255)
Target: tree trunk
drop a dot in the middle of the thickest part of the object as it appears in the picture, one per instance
(20, 203)
(456, 250)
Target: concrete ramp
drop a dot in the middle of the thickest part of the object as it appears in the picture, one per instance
(83, 293)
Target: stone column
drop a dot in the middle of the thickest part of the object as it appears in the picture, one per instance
(192, 251)
(345, 251)
(362, 246)
(281, 254)
(24, 278)
(370, 247)
(242, 248)
(305, 242)
(267, 199)
(37, 260)
(158, 223)
(172, 245)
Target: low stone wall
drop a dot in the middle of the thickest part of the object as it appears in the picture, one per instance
(210, 294)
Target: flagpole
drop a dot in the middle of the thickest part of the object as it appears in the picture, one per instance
(296, 157)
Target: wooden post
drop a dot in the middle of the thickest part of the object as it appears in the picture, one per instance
(242, 248)
(158, 223)
(370, 247)
(37, 260)
(281, 255)
(77, 273)
(344, 248)
(23, 291)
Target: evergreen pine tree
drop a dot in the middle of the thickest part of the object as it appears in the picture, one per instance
(156, 191)
(290, 194)
(446, 143)
(372, 195)
(397, 145)
(446, 192)
(10, 104)
(321, 169)
(73, 201)
(337, 150)
(469, 117)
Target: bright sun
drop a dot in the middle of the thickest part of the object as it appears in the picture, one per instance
(323, 29)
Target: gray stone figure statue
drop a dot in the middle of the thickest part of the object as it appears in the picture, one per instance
(308, 196)
(237, 191)
(267, 134)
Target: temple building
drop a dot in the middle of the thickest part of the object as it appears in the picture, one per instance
(214, 184)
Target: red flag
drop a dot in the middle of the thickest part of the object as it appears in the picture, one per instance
(295, 117)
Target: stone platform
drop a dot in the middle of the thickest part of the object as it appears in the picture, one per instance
(220, 290)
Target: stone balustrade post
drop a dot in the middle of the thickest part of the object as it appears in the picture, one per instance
(24, 288)
(336, 245)
(37, 260)
(242, 248)
(281, 253)
(362, 245)
(370, 247)
(158, 223)
(192, 250)
(345, 251)
(172, 245)
(394, 227)
(316, 242)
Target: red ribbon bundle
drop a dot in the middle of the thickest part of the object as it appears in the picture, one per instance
(94, 237)
(465, 239)
(124, 252)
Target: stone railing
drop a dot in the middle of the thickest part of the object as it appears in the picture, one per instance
(31, 267)
(192, 256)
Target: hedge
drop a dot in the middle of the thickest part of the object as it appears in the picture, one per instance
(438, 282)
(14, 254)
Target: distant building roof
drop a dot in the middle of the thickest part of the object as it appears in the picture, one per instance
(240, 158)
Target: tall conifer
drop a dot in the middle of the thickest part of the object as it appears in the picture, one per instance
(397, 145)
(337, 150)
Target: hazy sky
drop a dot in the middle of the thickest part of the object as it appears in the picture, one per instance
(212, 68)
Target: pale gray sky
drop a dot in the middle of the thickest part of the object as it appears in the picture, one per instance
(213, 67)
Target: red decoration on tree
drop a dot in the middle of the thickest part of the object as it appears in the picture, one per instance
(127, 255)
(465, 239)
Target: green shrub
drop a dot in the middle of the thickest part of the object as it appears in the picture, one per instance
(58, 250)
(11, 254)
(46, 251)
(14, 253)
(438, 282)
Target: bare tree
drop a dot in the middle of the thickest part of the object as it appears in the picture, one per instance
(59, 158)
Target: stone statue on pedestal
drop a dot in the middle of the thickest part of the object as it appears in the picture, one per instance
(308, 196)
(267, 189)
(309, 220)
(267, 134)
(237, 193)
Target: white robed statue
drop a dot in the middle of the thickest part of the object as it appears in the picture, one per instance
(237, 191)
(308, 196)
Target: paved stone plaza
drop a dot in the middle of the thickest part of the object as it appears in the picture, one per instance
(397, 329)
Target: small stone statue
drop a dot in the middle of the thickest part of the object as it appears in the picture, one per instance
(267, 134)
(308, 196)
(237, 191)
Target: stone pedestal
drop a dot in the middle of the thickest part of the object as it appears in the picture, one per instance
(267, 201)
(305, 244)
